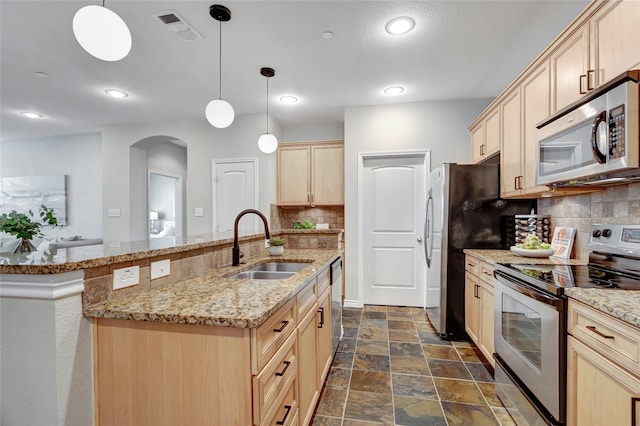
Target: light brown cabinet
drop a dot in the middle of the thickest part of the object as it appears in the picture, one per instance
(603, 369)
(311, 174)
(149, 373)
(603, 47)
(479, 309)
(485, 136)
(522, 109)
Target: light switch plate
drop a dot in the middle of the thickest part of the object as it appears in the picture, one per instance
(126, 277)
(199, 212)
(161, 268)
(113, 213)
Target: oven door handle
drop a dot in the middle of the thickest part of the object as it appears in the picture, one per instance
(524, 289)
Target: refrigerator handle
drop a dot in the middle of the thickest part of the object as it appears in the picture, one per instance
(428, 224)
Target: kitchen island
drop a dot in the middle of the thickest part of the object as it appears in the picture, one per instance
(47, 342)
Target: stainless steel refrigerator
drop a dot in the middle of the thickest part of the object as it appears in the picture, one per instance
(464, 210)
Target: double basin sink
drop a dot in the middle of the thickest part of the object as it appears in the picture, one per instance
(271, 271)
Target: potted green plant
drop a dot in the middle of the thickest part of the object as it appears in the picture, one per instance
(276, 246)
(24, 226)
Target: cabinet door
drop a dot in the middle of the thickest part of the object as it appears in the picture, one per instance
(486, 321)
(324, 335)
(616, 32)
(471, 306)
(294, 168)
(510, 154)
(308, 385)
(535, 108)
(477, 143)
(492, 132)
(327, 181)
(598, 391)
(568, 62)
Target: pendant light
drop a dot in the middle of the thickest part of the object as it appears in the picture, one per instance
(219, 112)
(267, 143)
(102, 33)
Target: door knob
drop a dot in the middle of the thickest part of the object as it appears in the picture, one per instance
(419, 239)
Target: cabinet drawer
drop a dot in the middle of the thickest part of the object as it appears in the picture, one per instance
(269, 336)
(306, 298)
(323, 280)
(613, 338)
(274, 379)
(486, 272)
(472, 265)
(285, 411)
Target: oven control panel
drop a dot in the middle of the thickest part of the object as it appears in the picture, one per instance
(615, 239)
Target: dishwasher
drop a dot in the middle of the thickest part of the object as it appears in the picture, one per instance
(336, 304)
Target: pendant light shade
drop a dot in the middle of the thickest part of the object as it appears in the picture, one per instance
(102, 33)
(219, 113)
(267, 143)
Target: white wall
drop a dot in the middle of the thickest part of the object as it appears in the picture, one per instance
(313, 132)
(78, 157)
(441, 127)
(204, 143)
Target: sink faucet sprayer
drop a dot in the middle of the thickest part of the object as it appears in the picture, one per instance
(236, 253)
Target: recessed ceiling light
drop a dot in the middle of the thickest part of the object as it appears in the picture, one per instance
(118, 94)
(393, 91)
(42, 74)
(288, 99)
(401, 25)
(31, 114)
(327, 35)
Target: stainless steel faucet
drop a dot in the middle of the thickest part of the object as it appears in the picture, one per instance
(236, 253)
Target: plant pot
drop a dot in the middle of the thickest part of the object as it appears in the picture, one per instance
(276, 250)
(25, 246)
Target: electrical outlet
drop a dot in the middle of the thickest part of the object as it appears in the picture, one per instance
(126, 277)
(161, 268)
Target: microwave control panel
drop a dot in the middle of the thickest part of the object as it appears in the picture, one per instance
(616, 132)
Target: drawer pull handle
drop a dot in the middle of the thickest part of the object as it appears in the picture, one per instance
(286, 365)
(279, 330)
(599, 333)
(321, 312)
(281, 422)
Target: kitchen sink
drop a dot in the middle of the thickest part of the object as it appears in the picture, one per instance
(262, 275)
(271, 271)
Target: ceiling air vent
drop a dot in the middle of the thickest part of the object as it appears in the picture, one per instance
(178, 26)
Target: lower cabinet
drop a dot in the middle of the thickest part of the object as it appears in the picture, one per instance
(603, 369)
(149, 373)
(479, 309)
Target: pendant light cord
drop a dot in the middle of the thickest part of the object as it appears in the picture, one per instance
(220, 63)
(267, 105)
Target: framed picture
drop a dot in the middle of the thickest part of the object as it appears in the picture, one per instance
(24, 193)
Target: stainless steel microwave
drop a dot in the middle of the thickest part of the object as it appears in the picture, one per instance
(594, 141)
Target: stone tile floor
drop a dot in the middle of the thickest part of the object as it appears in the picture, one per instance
(392, 369)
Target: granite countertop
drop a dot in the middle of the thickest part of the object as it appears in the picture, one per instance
(213, 299)
(621, 304)
(506, 256)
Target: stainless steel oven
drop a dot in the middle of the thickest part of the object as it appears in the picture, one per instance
(530, 327)
(530, 320)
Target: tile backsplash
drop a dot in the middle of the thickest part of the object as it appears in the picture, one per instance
(283, 217)
(617, 204)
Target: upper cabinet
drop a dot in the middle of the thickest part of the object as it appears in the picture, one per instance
(599, 45)
(311, 174)
(601, 48)
(485, 136)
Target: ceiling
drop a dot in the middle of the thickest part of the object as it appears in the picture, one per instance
(457, 50)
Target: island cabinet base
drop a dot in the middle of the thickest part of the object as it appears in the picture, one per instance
(158, 374)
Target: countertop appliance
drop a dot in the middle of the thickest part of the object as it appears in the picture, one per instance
(464, 210)
(336, 304)
(594, 141)
(530, 320)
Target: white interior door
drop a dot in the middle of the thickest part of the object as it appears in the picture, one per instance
(393, 217)
(235, 189)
